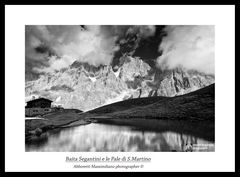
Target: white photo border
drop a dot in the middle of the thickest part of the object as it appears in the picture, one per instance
(16, 17)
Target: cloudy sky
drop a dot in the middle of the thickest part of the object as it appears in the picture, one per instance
(51, 48)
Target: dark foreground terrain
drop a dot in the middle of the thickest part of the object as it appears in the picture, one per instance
(198, 105)
(192, 113)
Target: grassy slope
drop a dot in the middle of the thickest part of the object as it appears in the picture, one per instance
(53, 119)
(126, 104)
(198, 105)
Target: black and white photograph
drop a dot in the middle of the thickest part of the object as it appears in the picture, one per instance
(119, 88)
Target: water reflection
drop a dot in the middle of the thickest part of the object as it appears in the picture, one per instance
(101, 137)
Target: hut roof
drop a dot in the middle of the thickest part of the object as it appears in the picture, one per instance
(38, 99)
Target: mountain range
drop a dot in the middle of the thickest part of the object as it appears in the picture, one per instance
(86, 87)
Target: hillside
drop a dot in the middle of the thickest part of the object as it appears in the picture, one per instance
(126, 104)
(197, 105)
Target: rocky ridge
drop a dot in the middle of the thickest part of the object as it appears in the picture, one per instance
(85, 87)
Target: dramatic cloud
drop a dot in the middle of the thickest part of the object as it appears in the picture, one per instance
(189, 46)
(55, 64)
(55, 47)
(59, 46)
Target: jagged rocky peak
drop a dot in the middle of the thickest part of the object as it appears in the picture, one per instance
(132, 67)
(85, 86)
(91, 70)
(180, 81)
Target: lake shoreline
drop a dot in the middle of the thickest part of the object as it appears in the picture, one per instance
(38, 127)
(203, 129)
(39, 132)
(98, 137)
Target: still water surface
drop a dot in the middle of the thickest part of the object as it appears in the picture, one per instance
(103, 137)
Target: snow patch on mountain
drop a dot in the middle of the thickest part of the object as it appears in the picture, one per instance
(117, 73)
(93, 79)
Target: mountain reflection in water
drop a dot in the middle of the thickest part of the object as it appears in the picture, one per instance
(102, 137)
